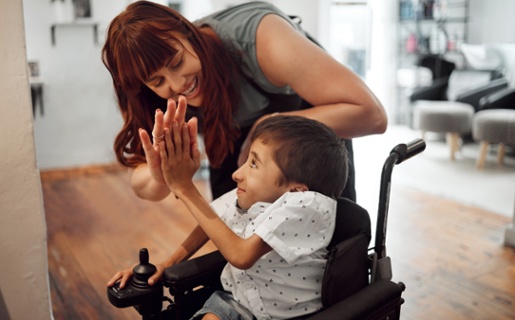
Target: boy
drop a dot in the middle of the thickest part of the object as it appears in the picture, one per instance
(275, 227)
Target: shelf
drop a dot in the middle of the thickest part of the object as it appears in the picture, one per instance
(74, 24)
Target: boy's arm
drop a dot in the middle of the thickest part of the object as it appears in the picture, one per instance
(179, 162)
(240, 253)
(196, 239)
(192, 244)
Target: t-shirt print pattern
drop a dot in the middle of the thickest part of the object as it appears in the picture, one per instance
(287, 281)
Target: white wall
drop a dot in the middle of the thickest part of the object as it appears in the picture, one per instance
(492, 21)
(80, 118)
(24, 289)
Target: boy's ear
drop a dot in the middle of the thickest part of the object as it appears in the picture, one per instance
(299, 187)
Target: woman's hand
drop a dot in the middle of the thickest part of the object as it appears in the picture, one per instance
(180, 156)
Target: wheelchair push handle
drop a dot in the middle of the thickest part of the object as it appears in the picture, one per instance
(399, 154)
(408, 150)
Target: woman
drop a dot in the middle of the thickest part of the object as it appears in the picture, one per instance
(235, 68)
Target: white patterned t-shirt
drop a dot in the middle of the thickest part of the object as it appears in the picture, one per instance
(287, 281)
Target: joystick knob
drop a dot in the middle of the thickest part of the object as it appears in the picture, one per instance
(143, 270)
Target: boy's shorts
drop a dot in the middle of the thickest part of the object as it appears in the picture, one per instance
(225, 307)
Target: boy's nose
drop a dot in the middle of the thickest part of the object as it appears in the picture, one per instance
(237, 176)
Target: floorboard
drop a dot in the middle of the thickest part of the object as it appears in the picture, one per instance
(450, 256)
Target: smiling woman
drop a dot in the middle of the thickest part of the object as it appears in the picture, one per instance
(168, 82)
(235, 67)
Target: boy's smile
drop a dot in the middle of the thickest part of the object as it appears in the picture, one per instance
(258, 177)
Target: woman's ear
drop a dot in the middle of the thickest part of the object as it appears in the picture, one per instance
(299, 187)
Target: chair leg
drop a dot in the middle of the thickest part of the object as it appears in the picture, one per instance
(500, 154)
(452, 140)
(480, 163)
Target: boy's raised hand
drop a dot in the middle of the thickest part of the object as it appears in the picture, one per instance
(175, 112)
(180, 156)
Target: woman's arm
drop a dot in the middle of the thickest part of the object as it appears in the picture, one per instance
(145, 186)
(340, 98)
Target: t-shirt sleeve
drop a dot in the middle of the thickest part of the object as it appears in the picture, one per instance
(298, 224)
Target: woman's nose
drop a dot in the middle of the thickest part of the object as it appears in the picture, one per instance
(176, 84)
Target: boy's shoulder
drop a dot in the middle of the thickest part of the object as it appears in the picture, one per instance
(225, 201)
(304, 199)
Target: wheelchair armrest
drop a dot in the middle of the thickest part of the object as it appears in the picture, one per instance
(502, 99)
(195, 272)
(436, 91)
(473, 96)
(379, 298)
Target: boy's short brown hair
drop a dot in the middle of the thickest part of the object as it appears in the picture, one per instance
(306, 151)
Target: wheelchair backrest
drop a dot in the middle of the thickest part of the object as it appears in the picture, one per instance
(347, 269)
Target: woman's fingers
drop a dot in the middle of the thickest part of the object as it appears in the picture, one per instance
(157, 132)
(180, 114)
(148, 147)
(169, 116)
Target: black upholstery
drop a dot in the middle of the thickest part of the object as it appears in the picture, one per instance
(440, 67)
(501, 99)
(437, 91)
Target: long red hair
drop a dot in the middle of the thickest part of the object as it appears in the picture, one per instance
(137, 45)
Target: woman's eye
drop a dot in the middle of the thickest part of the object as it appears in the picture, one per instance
(253, 164)
(158, 83)
(177, 65)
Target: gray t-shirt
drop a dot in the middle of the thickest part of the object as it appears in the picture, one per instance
(236, 27)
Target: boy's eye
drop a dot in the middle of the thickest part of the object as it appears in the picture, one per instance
(253, 164)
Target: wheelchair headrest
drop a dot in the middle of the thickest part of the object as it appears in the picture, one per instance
(351, 219)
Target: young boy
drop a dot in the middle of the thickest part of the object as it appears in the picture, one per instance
(275, 227)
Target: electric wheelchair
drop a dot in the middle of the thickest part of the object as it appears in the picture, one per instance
(356, 285)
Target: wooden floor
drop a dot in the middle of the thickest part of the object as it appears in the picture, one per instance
(450, 256)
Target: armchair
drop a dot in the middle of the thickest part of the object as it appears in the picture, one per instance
(501, 99)
(462, 86)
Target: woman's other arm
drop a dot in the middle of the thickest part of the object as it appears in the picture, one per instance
(340, 98)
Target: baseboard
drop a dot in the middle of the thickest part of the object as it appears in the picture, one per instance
(60, 174)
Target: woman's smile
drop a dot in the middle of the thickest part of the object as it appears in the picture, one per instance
(192, 90)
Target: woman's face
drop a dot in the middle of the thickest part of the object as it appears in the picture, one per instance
(181, 75)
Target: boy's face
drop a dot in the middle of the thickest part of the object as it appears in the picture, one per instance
(257, 178)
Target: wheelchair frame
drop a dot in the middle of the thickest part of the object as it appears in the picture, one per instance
(192, 280)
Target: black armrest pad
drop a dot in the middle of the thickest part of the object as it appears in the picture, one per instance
(436, 91)
(473, 96)
(502, 99)
(381, 296)
(195, 272)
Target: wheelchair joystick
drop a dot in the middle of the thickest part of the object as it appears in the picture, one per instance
(146, 299)
(143, 270)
